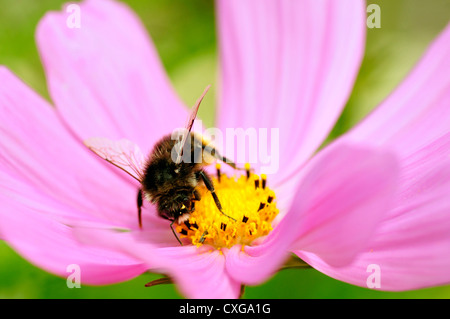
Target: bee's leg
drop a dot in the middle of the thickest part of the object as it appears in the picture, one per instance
(139, 205)
(212, 151)
(197, 195)
(202, 239)
(215, 153)
(174, 233)
(210, 186)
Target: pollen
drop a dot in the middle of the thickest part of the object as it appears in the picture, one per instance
(248, 211)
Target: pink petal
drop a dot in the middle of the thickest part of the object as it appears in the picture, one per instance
(412, 245)
(198, 272)
(288, 65)
(27, 226)
(39, 152)
(343, 195)
(418, 111)
(49, 182)
(105, 77)
(200, 275)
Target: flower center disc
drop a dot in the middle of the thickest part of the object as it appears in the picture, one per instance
(247, 199)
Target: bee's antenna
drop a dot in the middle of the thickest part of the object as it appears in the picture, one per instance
(174, 233)
(202, 239)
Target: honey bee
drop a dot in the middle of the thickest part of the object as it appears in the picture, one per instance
(169, 177)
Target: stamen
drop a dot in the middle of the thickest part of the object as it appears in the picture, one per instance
(264, 179)
(261, 206)
(247, 169)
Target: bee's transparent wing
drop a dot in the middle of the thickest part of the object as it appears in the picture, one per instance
(189, 124)
(123, 153)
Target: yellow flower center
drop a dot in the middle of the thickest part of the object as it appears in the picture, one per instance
(247, 199)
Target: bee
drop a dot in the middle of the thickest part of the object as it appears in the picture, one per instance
(169, 177)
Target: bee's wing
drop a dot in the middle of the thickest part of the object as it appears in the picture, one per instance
(189, 124)
(123, 153)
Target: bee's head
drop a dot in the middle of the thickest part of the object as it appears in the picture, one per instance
(173, 206)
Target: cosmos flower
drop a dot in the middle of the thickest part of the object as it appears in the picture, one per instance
(377, 195)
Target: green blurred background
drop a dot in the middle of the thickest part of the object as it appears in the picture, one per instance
(184, 34)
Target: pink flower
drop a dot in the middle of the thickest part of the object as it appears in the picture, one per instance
(376, 196)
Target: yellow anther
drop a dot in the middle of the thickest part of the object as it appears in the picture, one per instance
(247, 168)
(263, 180)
